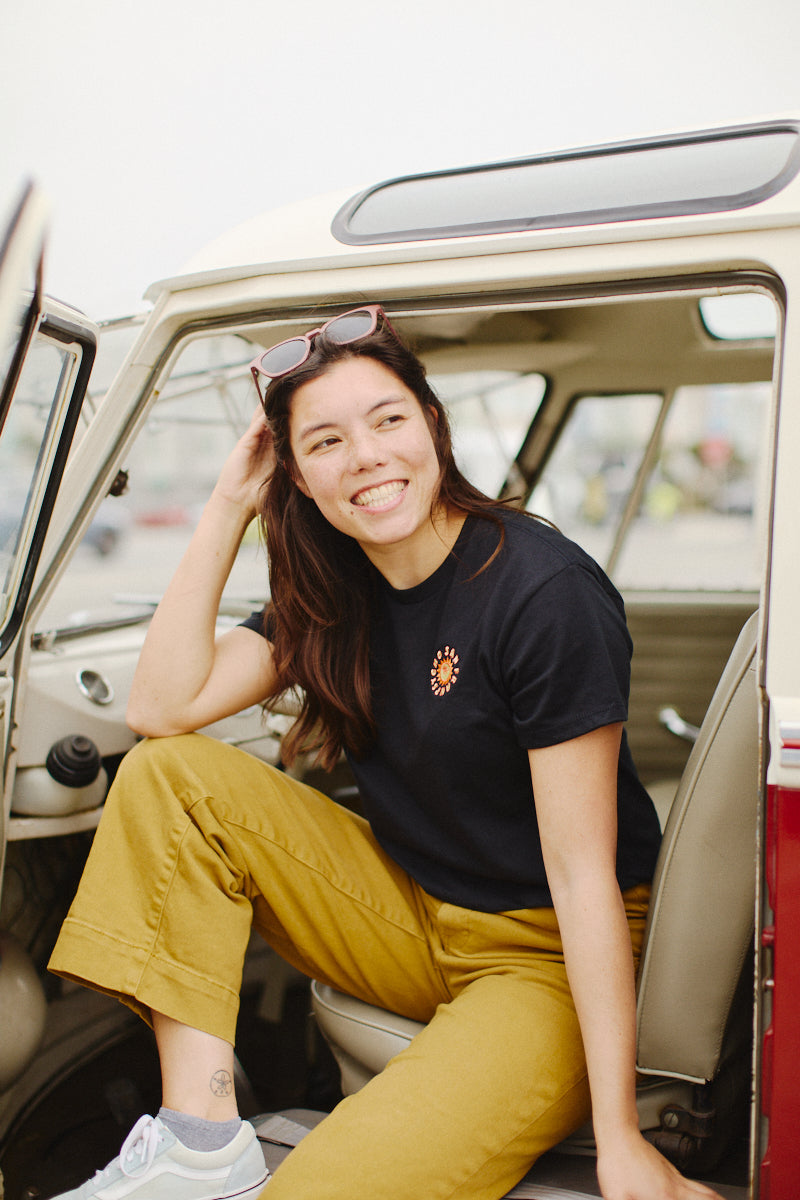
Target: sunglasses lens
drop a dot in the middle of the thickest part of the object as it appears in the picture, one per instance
(349, 327)
(287, 356)
(284, 357)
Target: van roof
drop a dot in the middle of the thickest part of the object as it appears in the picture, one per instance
(738, 176)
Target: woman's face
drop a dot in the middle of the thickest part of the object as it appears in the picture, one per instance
(364, 453)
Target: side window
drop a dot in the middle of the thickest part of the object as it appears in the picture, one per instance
(666, 504)
(46, 375)
(697, 526)
(585, 485)
(490, 412)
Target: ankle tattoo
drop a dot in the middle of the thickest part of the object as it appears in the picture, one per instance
(221, 1083)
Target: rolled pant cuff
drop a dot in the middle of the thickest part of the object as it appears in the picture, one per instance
(143, 981)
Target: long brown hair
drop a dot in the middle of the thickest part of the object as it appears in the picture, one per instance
(321, 582)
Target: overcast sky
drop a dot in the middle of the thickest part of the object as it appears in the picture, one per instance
(154, 125)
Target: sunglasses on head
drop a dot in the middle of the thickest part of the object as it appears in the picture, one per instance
(287, 356)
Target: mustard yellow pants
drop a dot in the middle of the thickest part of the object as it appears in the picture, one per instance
(199, 841)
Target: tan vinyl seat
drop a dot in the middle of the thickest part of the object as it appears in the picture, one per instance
(694, 989)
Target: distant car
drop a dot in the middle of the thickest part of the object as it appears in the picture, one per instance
(615, 333)
(109, 526)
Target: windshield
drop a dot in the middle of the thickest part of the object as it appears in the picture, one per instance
(136, 539)
(664, 484)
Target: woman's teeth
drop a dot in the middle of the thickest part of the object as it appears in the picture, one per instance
(379, 495)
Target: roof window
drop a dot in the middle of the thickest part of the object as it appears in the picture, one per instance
(675, 176)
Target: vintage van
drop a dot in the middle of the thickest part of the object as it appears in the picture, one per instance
(616, 334)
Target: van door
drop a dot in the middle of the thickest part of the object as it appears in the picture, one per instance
(46, 356)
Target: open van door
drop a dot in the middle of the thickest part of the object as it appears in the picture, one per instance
(46, 356)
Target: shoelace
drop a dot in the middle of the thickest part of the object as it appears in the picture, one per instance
(139, 1149)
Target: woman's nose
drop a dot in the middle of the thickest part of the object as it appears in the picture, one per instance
(365, 451)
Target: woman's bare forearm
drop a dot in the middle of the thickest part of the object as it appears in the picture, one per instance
(574, 786)
(184, 673)
(597, 952)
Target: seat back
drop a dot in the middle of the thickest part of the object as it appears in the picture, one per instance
(700, 926)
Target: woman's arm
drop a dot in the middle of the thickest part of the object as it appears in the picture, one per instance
(186, 678)
(575, 790)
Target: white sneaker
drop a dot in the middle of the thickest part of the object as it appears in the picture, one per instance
(154, 1165)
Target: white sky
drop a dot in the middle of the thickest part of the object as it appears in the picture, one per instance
(154, 125)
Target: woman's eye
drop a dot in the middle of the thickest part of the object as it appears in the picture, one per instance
(392, 419)
(324, 444)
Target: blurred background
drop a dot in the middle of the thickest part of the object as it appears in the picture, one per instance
(154, 126)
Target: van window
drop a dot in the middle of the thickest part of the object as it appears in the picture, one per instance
(703, 172)
(490, 412)
(739, 317)
(699, 522)
(46, 375)
(666, 493)
(591, 471)
(136, 540)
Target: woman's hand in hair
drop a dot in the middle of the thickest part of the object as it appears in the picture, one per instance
(249, 465)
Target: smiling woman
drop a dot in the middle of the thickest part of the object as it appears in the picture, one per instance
(353, 418)
(474, 667)
(363, 451)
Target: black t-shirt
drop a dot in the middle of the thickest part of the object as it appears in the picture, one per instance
(470, 670)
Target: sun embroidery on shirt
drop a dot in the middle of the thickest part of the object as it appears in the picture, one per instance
(444, 671)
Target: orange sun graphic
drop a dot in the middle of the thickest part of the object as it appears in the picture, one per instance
(444, 671)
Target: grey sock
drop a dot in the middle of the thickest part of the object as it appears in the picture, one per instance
(195, 1133)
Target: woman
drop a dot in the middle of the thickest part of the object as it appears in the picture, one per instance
(474, 666)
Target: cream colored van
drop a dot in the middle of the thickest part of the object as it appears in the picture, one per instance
(616, 334)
